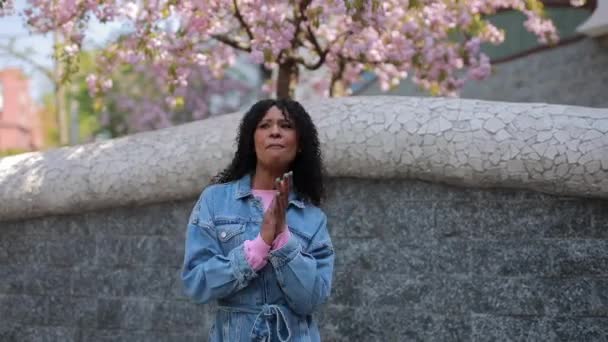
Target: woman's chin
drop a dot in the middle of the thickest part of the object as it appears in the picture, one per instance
(278, 161)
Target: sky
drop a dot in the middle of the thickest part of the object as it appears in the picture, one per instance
(41, 46)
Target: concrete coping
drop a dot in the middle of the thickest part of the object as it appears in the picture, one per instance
(556, 149)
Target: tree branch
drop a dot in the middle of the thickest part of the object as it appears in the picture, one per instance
(308, 66)
(363, 60)
(241, 20)
(320, 52)
(299, 16)
(22, 55)
(231, 42)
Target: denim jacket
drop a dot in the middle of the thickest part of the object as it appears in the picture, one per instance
(275, 303)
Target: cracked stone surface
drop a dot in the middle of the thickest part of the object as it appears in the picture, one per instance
(556, 149)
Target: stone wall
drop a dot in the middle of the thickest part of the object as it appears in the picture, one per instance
(453, 220)
(573, 74)
(414, 261)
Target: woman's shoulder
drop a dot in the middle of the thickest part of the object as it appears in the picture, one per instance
(312, 213)
(216, 189)
(313, 209)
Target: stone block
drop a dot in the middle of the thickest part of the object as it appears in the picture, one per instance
(113, 250)
(151, 282)
(581, 258)
(22, 249)
(44, 334)
(168, 316)
(166, 219)
(72, 251)
(509, 296)
(127, 314)
(72, 311)
(23, 310)
(511, 258)
(156, 250)
(11, 281)
(451, 257)
(391, 323)
(406, 221)
(45, 280)
(509, 328)
(572, 297)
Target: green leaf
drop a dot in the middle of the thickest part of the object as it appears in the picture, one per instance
(477, 25)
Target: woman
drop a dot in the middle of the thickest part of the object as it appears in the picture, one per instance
(257, 241)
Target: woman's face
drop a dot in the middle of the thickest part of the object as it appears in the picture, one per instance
(276, 140)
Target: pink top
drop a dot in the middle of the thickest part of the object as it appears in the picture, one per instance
(256, 251)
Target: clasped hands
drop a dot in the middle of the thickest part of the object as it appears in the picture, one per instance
(274, 222)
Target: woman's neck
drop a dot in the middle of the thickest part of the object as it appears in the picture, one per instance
(263, 179)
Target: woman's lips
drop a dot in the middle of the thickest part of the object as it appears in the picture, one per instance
(275, 146)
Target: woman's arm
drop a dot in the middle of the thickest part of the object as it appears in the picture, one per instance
(305, 277)
(207, 274)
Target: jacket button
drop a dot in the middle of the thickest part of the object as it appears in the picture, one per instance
(223, 235)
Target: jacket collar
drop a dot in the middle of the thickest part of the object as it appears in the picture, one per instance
(243, 190)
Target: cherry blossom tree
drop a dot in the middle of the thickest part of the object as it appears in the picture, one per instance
(137, 101)
(436, 42)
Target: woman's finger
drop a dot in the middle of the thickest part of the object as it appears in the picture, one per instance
(277, 187)
(288, 181)
(280, 202)
(282, 208)
(281, 216)
(284, 192)
(286, 185)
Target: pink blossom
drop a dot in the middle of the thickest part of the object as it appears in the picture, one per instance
(393, 38)
(92, 83)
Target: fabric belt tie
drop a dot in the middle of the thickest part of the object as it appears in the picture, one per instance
(264, 313)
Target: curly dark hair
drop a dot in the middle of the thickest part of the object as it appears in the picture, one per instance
(307, 167)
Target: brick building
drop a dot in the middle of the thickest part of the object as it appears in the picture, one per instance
(19, 122)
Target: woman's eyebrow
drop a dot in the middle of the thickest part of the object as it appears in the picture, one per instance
(273, 120)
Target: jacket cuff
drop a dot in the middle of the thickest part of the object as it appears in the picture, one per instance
(285, 254)
(241, 269)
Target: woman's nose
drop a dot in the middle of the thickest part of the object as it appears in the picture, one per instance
(275, 131)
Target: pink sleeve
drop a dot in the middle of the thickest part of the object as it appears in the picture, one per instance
(281, 239)
(256, 253)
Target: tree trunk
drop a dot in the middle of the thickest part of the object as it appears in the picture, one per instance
(287, 79)
(62, 116)
(60, 109)
(266, 76)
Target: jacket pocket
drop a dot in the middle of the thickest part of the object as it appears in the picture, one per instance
(230, 236)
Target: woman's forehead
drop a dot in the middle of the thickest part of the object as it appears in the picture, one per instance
(274, 113)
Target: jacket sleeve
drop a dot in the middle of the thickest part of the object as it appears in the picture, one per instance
(305, 276)
(207, 274)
